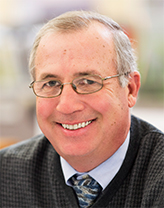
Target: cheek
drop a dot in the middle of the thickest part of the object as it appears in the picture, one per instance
(112, 105)
(44, 108)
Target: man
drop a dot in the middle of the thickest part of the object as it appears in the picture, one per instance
(85, 80)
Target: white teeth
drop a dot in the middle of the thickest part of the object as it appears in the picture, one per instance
(76, 126)
(83, 124)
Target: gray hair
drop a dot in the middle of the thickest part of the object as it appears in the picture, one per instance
(76, 20)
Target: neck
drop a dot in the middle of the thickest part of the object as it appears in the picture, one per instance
(86, 163)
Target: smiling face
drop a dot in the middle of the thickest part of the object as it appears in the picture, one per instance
(93, 126)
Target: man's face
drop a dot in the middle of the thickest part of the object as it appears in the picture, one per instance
(65, 57)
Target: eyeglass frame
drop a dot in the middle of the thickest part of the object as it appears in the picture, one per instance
(74, 86)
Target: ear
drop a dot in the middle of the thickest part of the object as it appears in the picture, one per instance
(133, 88)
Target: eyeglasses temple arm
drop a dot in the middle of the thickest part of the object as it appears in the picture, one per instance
(117, 75)
(31, 84)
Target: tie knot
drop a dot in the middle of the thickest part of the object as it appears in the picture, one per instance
(87, 190)
(86, 180)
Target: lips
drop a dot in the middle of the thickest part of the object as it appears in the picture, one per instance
(76, 126)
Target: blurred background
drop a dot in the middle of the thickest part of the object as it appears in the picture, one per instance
(20, 20)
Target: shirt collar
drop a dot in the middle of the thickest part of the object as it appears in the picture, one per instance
(103, 173)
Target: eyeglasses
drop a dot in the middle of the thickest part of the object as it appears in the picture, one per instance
(82, 85)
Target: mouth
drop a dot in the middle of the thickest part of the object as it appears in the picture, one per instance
(76, 126)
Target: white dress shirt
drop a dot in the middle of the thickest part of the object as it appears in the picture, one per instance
(103, 173)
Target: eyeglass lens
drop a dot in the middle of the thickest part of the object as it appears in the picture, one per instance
(82, 85)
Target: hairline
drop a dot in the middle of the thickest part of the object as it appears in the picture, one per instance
(72, 31)
(86, 20)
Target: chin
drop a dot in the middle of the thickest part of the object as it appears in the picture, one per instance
(74, 151)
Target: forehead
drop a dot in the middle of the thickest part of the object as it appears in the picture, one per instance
(86, 49)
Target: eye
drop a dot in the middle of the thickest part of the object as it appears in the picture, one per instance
(90, 82)
(86, 81)
(51, 83)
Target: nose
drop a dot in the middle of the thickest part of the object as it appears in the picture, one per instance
(69, 101)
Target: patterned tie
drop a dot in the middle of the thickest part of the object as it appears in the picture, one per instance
(87, 190)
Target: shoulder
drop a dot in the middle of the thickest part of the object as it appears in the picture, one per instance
(33, 149)
(148, 142)
(148, 170)
(150, 150)
(27, 157)
(148, 139)
(26, 147)
(26, 167)
(142, 130)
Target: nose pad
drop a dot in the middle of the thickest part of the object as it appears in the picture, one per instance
(74, 87)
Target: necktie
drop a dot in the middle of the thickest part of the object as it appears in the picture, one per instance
(87, 190)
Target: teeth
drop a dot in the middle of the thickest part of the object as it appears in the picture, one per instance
(76, 126)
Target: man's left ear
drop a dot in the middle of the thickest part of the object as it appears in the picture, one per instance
(133, 88)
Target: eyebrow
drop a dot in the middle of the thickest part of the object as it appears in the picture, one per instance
(84, 73)
(77, 74)
(47, 75)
